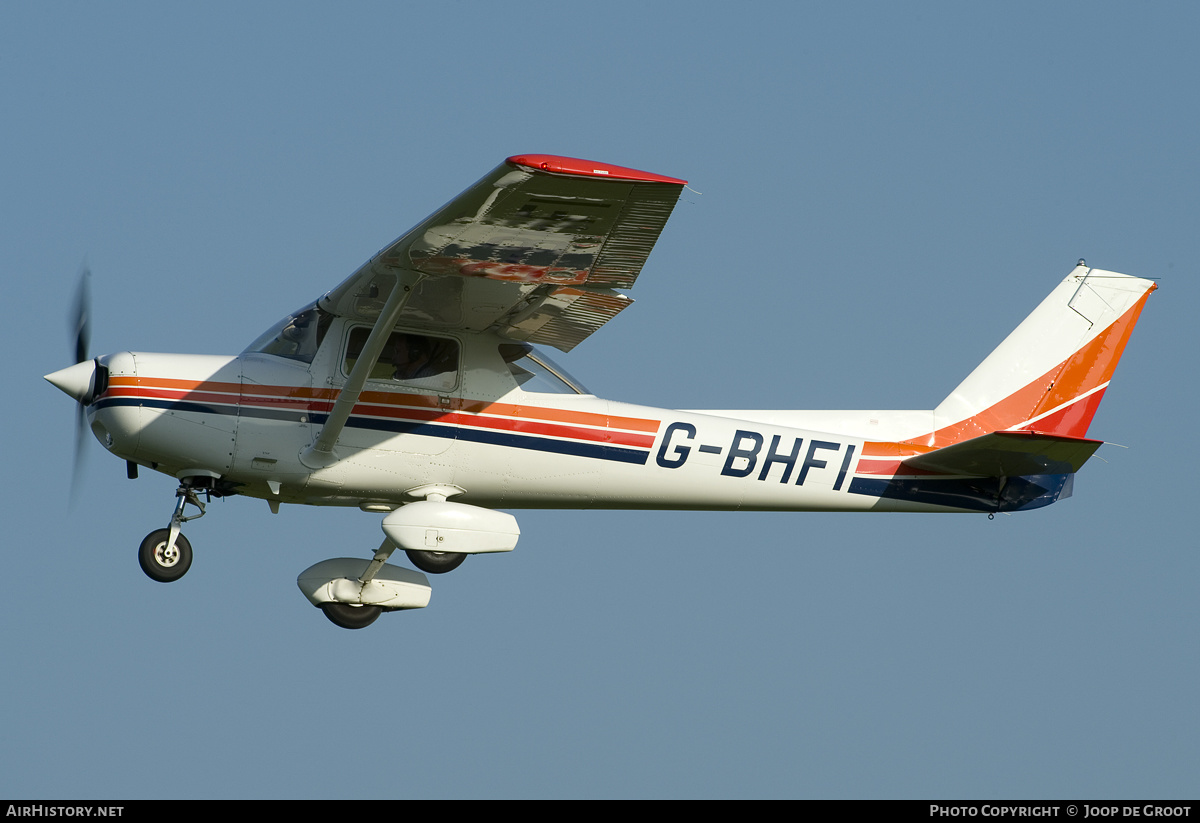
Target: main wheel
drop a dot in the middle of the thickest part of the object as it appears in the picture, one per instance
(350, 616)
(435, 562)
(160, 564)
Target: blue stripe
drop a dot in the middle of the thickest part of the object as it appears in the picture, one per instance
(167, 405)
(598, 451)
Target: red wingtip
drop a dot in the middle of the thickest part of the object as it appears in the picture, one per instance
(587, 168)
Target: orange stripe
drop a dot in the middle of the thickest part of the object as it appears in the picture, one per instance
(502, 424)
(1088, 368)
(897, 450)
(276, 396)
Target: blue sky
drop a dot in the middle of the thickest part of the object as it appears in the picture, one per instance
(881, 192)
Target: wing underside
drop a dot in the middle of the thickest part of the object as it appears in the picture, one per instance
(534, 251)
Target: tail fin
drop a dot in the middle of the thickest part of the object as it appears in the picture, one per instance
(1049, 375)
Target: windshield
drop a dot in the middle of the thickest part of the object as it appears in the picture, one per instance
(535, 372)
(297, 336)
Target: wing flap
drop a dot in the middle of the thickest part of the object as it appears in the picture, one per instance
(1008, 454)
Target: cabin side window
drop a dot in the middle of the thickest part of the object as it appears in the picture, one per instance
(535, 372)
(413, 359)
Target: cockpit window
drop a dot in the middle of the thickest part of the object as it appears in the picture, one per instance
(297, 336)
(414, 359)
(535, 372)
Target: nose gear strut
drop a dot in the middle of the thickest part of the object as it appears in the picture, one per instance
(165, 554)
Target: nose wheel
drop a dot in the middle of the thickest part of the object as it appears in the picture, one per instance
(165, 554)
(163, 561)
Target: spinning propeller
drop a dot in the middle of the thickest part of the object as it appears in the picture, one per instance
(79, 380)
(80, 318)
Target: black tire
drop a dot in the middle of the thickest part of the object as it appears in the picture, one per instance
(350, 616)
(157, 564)
(435, 562)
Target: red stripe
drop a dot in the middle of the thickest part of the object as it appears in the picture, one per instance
(321, 399)
(500, 424)
(588, 168)
(403, 413)
(1073, 420)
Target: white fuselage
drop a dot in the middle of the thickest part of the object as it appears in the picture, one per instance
(482, 418)
(248, 420)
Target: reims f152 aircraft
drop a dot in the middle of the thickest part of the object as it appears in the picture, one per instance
(415, 390)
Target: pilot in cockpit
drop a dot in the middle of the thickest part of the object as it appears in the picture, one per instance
(296, 332)
(411, 357)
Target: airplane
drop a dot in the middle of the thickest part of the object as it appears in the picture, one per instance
(417, 390)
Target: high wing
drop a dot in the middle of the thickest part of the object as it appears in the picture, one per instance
(534, 251)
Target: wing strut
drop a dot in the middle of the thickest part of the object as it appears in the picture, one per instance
(320, 454)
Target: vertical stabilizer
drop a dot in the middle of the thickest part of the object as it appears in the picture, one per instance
(1049, 375)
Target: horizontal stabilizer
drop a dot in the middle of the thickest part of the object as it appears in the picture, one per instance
(1008, 454)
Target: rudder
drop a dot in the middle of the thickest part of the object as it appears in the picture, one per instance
(1049, 374)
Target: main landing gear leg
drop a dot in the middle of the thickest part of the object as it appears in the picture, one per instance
(354, 615)
(165, 554)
